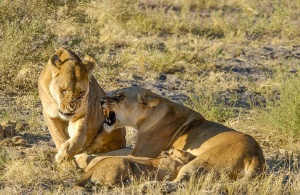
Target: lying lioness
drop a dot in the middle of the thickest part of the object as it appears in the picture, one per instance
(162, 124)
(112, 171)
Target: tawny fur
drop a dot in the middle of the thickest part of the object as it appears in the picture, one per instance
(85, 160)
(162, 124)
(70, 98)
(111, 171)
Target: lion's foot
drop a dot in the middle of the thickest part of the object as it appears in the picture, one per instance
(93, 149)
(82, 160)
(90, 150)
(61, 156)
(64, 152)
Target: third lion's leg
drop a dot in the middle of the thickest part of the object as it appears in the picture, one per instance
(194, 168)
(105, 142)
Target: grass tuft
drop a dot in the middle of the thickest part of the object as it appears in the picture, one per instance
(284, 114)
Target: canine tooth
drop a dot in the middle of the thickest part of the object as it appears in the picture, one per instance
(104, 112)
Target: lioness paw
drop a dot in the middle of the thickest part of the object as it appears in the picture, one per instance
(99, 149)
(62, 156)
(63, 153)
(59, 158)
(81, 160)
(90, 150)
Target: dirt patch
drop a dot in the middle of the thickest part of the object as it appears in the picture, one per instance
(14, 141)
(9, 134)
(238, 71)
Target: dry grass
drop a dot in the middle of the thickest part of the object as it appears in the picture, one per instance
(209, 44)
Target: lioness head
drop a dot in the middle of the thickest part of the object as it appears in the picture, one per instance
(128, 107)
(70, 81)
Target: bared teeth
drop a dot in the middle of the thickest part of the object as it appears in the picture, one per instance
(108, 121)
(111, 119)
(105, 112)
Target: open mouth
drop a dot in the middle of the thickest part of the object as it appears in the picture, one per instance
(111, 119)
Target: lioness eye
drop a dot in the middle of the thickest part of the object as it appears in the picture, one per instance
(120, 97)
(81, 94)
(63, 91)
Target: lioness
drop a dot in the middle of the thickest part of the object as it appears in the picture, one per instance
(70, 97)
(162, 124)
(110, 171)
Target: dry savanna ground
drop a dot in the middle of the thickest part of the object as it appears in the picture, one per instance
(235, 61)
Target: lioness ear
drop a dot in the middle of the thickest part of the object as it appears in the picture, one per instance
(148, 100)
(55, 60)
(89, 63)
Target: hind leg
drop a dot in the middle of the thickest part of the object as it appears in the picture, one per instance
(194, 168)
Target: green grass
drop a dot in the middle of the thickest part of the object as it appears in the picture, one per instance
(21, 42)
(212, 108)
(283, 115)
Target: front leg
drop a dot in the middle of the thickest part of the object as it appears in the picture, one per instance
(105, 142)
(58, 130)
(77, 133)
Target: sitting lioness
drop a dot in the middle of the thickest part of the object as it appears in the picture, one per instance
(110, 171)
(162, 124)
(70, 97)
